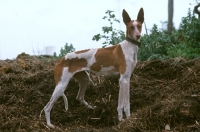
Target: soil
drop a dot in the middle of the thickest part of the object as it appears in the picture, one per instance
(163, 93)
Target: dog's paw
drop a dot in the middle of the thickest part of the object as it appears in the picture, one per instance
(120, 118)
(66, 109)
(51, 126)
(91, 107)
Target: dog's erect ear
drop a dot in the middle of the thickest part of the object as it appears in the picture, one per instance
(140, 16)
(126, 17)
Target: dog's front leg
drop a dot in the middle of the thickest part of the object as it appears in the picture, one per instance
(127, 98)
(124, 97)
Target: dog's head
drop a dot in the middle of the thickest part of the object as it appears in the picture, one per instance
(133, 27)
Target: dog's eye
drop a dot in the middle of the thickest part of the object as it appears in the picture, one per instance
(138, 26)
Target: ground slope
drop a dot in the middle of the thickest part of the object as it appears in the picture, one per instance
(162, 92)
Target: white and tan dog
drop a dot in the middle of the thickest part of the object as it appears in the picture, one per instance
(118, 59)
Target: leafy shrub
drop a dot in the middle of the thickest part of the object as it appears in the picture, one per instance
(111, 36)
(63, 51)
(154, 45)
(184, 42)
(187, 38)
(189, 30)
(183, 50)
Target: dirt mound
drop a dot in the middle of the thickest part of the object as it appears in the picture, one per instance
(162, 93)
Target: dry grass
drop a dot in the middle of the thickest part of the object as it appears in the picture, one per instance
(162, 92)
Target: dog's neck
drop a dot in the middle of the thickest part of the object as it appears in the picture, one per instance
(133, 41)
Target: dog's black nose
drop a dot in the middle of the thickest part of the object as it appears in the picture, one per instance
(138, 36)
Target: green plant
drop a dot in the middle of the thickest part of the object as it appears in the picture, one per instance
(187, 38)
(110, 35)
(63, 51)
(154, 45)
(189, 30)
(183, 50)
(183, 42)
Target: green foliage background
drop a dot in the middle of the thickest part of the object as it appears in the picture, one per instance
(183, 42)
(64, 50)
(110, 35)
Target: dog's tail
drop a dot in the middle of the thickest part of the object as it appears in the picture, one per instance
(65, 101)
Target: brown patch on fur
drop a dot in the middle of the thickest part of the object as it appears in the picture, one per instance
(81, 51)
(139, 26)
(73, 64)
(129, 30)
(111, 56)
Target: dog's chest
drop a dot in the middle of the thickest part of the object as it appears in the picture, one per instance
(130, 57)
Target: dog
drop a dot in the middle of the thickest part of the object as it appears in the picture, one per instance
(118, 59)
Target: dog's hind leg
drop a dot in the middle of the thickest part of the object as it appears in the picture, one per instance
(59, 91)
(83, 80)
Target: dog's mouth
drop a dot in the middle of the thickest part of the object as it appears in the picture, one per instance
(136, 38)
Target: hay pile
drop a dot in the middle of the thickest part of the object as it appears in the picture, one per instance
(162, 92)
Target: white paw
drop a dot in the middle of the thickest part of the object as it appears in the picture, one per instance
(51, 126)
(66, 108)
(91, 107)
(128, 117)
(120, 118)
